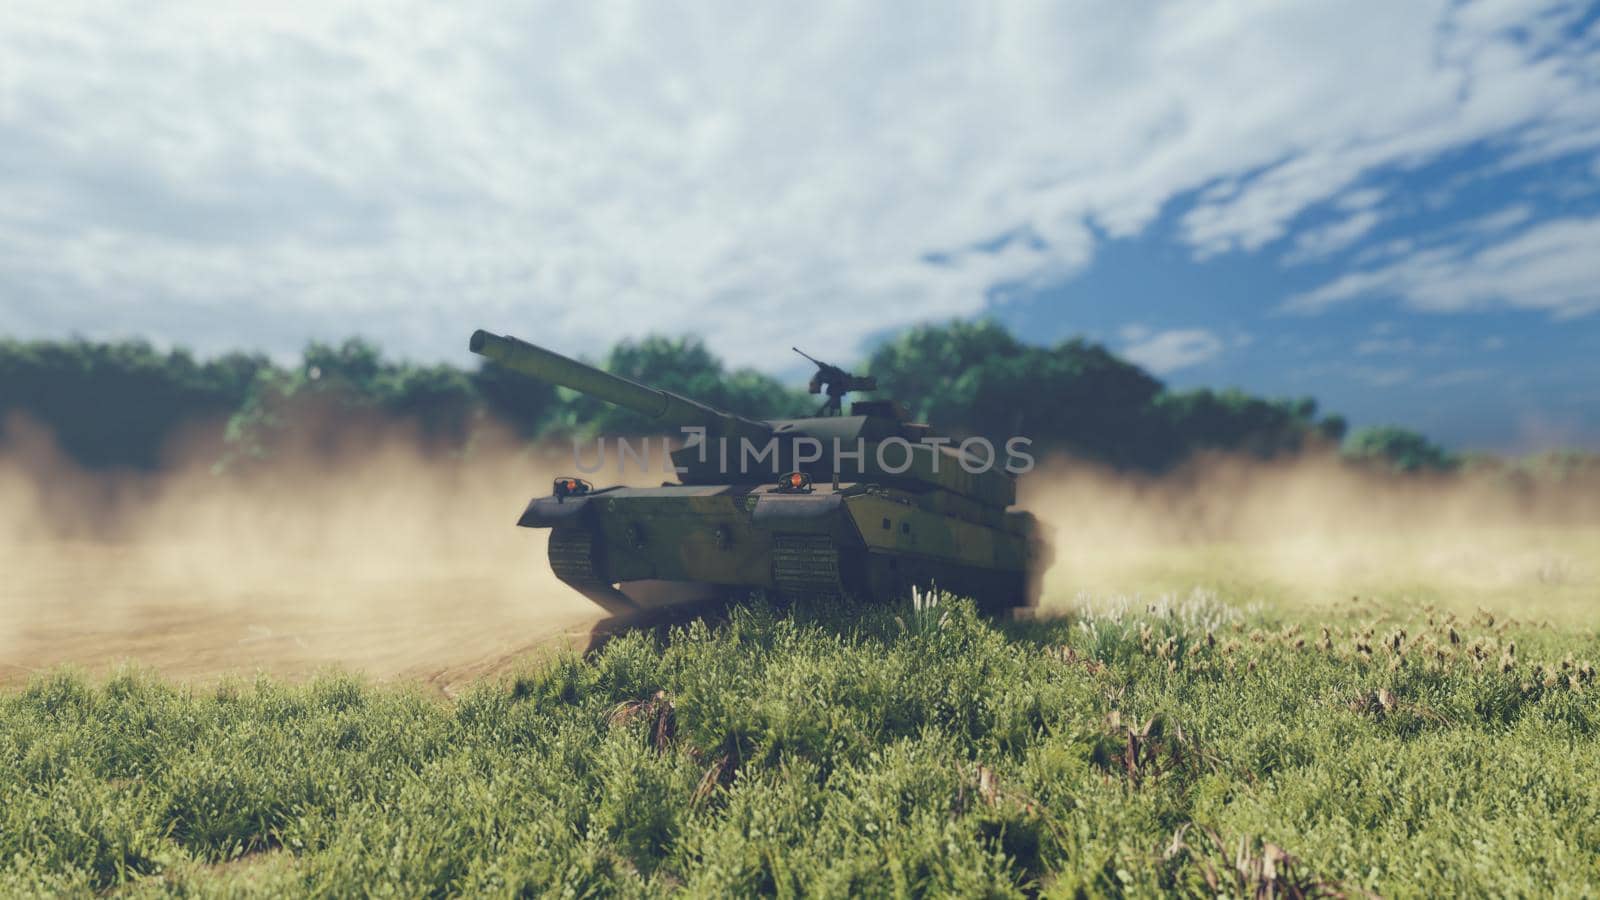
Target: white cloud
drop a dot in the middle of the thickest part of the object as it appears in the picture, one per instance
(237, 173)
(1376, 346)
(1168, 351)
(1387, 342)
(1551, 267)
(1458, 377)
(1462, 235)
(1380, 377)
(1319, 243)
(1359, 199)
(1504, 220)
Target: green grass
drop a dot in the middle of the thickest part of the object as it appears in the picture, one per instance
(1190, 747)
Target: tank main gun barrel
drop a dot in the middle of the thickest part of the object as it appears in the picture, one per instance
(660, 407)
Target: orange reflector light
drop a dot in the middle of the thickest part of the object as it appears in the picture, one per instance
(571, 487)
(794, 483)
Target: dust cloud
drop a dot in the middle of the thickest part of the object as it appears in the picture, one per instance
(379, 556)
(383, 557)
(1317, 531)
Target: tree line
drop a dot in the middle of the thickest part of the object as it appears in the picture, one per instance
(121, 404)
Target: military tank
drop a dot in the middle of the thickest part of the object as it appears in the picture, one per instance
(865, 505)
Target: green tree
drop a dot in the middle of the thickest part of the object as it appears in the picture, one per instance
(1233, 420)
(1400, 449)
(348, 393)
(918, 366)
(529, 406)
(976, 378)
(1333, 428)
(683, 366)
(120, 403)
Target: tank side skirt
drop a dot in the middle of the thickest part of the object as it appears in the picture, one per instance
(905, 529)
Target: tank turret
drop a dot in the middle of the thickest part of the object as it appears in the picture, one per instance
(875, 442)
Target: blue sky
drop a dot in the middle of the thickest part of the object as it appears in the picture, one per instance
(1481, 375)
(1394, 207)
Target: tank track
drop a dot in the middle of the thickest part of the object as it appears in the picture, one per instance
(572, 555)
(573, 558)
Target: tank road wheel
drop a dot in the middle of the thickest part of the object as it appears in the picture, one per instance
(805, 562)
(576, 556)
(811, 566)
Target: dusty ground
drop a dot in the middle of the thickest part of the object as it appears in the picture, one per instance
(389, 562)
(406, 567)
(1314, 533)
(97, 605)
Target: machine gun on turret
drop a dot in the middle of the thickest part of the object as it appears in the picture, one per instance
(836, 381)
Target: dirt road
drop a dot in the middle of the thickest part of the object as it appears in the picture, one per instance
(391, 563)
(96, 606)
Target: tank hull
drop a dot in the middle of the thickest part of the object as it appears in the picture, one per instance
(640, 548)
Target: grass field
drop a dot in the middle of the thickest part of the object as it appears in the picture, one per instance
(1182, 746)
